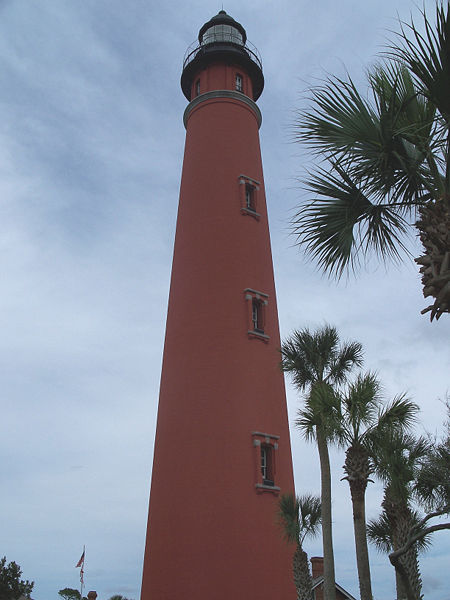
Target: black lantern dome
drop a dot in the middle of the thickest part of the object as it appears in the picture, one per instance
(222, 38)
(222, 27)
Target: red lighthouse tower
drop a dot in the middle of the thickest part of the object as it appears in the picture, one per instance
(222, 449)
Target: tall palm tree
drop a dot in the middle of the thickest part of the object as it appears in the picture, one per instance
(318, 363)
(361, 423)
(385, 161)
(396, 457)
(300, 518)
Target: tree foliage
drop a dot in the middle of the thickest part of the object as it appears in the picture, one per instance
(11, 584)
(384, 165)
(319, 364)
(300, 517)
(362, 420)
(431, 490)
(416, 475)
(70, 594)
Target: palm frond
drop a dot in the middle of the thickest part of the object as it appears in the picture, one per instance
(402, 109)
(296, 358)
(406, 121)
(310, 516)
(379, 533)
(383, 145)
(316, 356)
(396, 456)
(343, 224)
(288, 517)
(350, 355)
(381, 157)
(361, 402)
(322, 410)
(427, 56)
(432, 486)
(339, 120)
(306, 422)
(400, 415)
(299, 516)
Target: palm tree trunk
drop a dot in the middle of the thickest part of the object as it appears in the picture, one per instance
(409, 565)
(407, 573)
(302, 574)
(357, 491)
(405, 590)
(434, 233)
(329, 586)
(400, 584)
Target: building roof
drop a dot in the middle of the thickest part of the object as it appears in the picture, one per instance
(319, 580)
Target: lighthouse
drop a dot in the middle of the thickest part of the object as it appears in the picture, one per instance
(222, 450)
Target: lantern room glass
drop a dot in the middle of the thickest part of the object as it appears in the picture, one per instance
(222, 33)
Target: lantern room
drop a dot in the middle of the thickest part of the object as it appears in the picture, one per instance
(222, 58)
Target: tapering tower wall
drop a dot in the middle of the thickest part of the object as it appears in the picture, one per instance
(222, 449)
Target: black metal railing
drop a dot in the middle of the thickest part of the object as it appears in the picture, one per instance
(195, 49)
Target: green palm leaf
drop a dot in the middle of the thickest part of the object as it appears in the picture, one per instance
(379, 532)
(321, 410)
(300, 517)
(427, 56)
(396, 456)
(382, 156)
(309, 357)
(343, 223)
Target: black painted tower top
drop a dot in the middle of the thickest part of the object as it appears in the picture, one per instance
(222, 39)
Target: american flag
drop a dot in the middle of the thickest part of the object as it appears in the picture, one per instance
(80, 563)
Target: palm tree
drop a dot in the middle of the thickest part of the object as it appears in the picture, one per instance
(432, 491)
(396, 457)
(432, 486)
(300, 518)
(379, 533)
(318, 364)
(362, 421)
(385, 162)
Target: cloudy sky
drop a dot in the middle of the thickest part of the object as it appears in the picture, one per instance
(91, 145)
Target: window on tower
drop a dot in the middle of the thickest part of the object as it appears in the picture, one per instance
(250, 197)
(257, 315)
(239, 83)
(256, 305)
(265, 448)
(266, 465)
(248, 193)
(197, 87)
